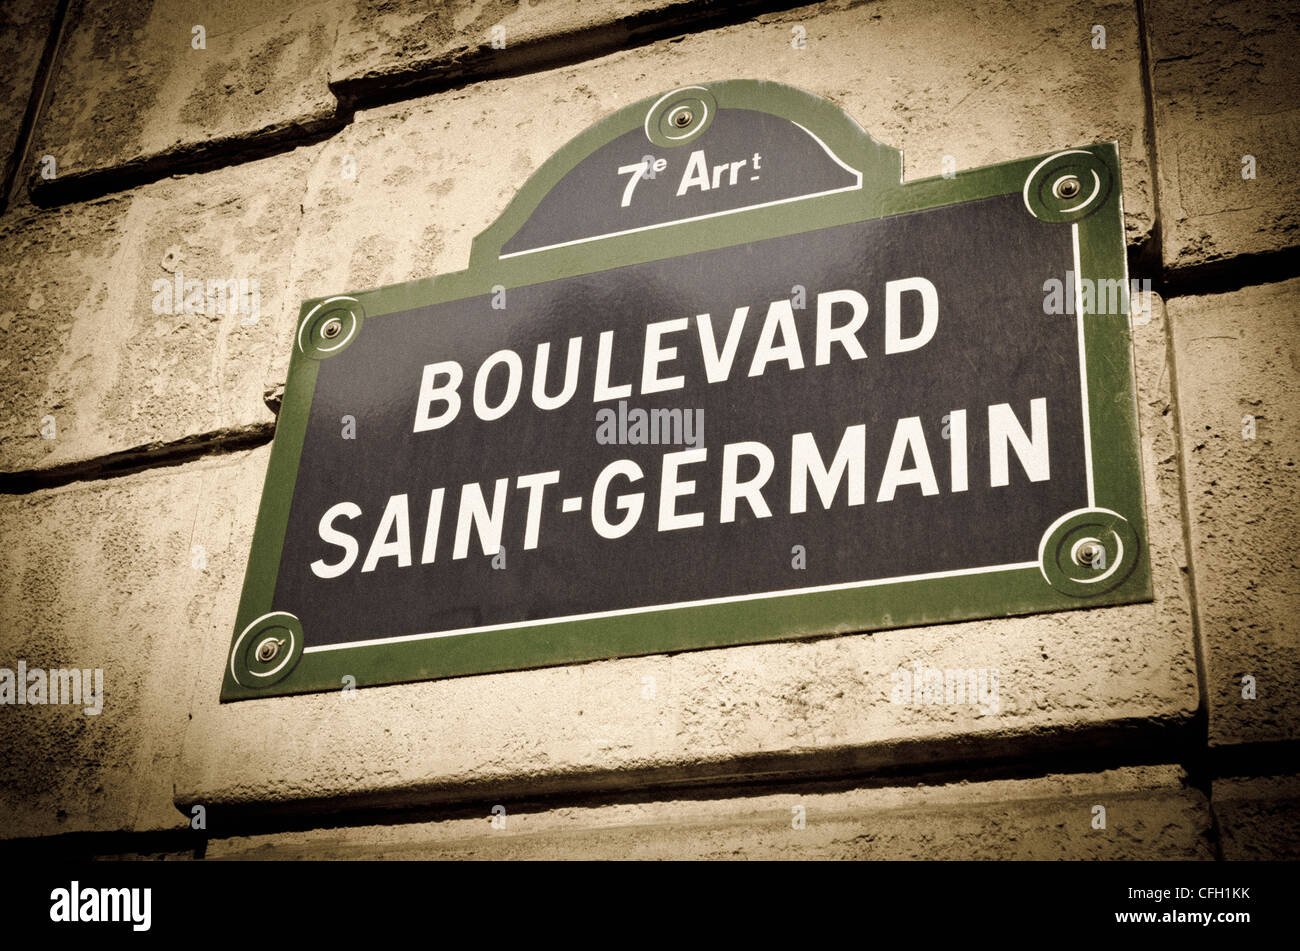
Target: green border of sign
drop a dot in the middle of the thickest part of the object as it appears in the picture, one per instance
(1116, 517)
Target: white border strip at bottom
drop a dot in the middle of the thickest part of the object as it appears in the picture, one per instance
(621, 612)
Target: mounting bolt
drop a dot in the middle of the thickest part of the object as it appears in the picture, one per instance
(1067, 187)
(1088, 554)
(267, 650)
(333, 327)
(683, 118)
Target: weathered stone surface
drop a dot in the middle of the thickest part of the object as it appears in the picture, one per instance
(1237, 355)
(1258, 817)
(1226, 86)
(127, 576)
(131, 92)
(24, 28)
(767, 709)
(381, 46)
(89, 342)
(1150, 813)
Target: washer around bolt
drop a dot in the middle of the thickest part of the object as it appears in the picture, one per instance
(683, 118)
(267, 650)
(333, 327)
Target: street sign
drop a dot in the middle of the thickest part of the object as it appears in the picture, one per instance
(714, 377)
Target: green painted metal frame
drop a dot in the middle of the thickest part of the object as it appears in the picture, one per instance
(1114, 433)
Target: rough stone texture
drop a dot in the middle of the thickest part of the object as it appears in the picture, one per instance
(24, 28)
(756, 710)
(130, 93)
(1226, 86)
(80, 340)
(1150, 814)
(1238, 354)
(1258, 817)
(382, 46)
(118, 575)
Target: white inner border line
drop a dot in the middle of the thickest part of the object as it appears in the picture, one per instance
(732, 599)
(1083, 367)
(621, 612)
(715, 214)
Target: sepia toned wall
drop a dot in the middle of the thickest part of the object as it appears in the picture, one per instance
(314, 148)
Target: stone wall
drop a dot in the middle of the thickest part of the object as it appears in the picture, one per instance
(325, 146)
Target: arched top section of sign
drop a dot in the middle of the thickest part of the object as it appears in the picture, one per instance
(707, 152)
